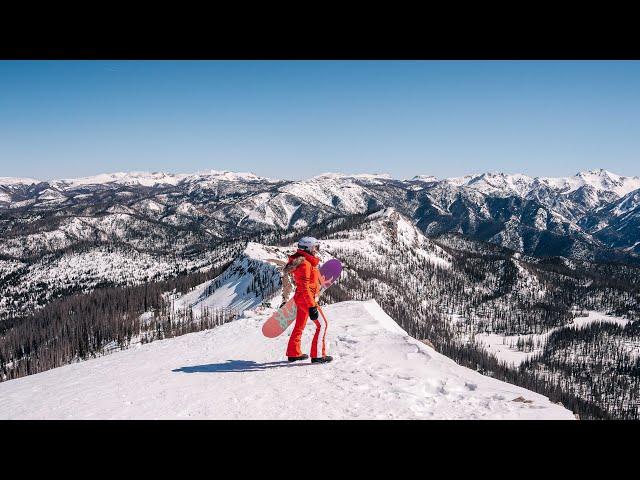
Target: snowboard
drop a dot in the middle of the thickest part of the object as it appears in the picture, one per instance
(285, 315)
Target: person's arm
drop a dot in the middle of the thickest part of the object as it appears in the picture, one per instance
(291, 266)
(287, 286)
(306, 282)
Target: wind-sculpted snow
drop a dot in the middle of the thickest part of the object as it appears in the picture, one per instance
(234, 372)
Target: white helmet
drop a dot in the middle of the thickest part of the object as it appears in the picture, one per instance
(307, 243)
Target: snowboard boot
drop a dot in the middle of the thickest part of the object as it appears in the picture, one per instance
(325, 359)
(304, 356)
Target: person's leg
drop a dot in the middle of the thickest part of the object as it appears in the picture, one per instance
(324, 333)
(317, 345)
(293, 347)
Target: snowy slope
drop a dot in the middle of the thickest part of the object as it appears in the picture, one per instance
(600, 180)
(233, 372)
(388, 228)
(232, 289)
(502, 184)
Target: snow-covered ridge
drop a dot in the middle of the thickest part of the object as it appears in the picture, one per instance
(626, 204)
(523, 185)
(233, 288)
(122, 178)
(156, 178)
(334, 175)
(234, 372)
(425, 178)
(519, 209)
(599, 179)
(17, 181)
(147, 179)
(386, 227)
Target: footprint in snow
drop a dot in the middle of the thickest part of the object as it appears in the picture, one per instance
(344, 339)
(413, 355)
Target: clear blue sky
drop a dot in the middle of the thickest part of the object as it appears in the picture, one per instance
(292, 119)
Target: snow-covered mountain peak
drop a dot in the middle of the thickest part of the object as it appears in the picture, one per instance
(599, 180)
(424, 178)
(597, 172)
(604, 180)
(349, 176)
(328, 176)
(373, 176)
(149, 179)
(460, 181)
(121, 178)
(384, 234)
(224, 175)
(502, 184)
(17, 181)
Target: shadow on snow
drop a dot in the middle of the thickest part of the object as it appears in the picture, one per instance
(237, 366)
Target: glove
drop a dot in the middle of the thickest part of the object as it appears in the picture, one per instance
(313, 313)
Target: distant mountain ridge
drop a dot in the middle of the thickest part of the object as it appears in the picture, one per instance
(598, 178)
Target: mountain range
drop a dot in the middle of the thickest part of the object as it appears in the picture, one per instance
(593, 215)
(61, 236)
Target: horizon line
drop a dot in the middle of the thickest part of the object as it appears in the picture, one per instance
(324, 174)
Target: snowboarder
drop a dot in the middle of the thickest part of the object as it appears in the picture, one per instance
(303, 265)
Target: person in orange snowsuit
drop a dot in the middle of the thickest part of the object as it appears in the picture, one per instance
(303, 265)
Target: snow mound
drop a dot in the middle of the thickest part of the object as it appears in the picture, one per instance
(233, 372)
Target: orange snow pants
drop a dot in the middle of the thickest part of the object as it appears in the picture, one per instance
(317, 345)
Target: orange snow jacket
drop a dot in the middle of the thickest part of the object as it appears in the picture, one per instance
(306, 275)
